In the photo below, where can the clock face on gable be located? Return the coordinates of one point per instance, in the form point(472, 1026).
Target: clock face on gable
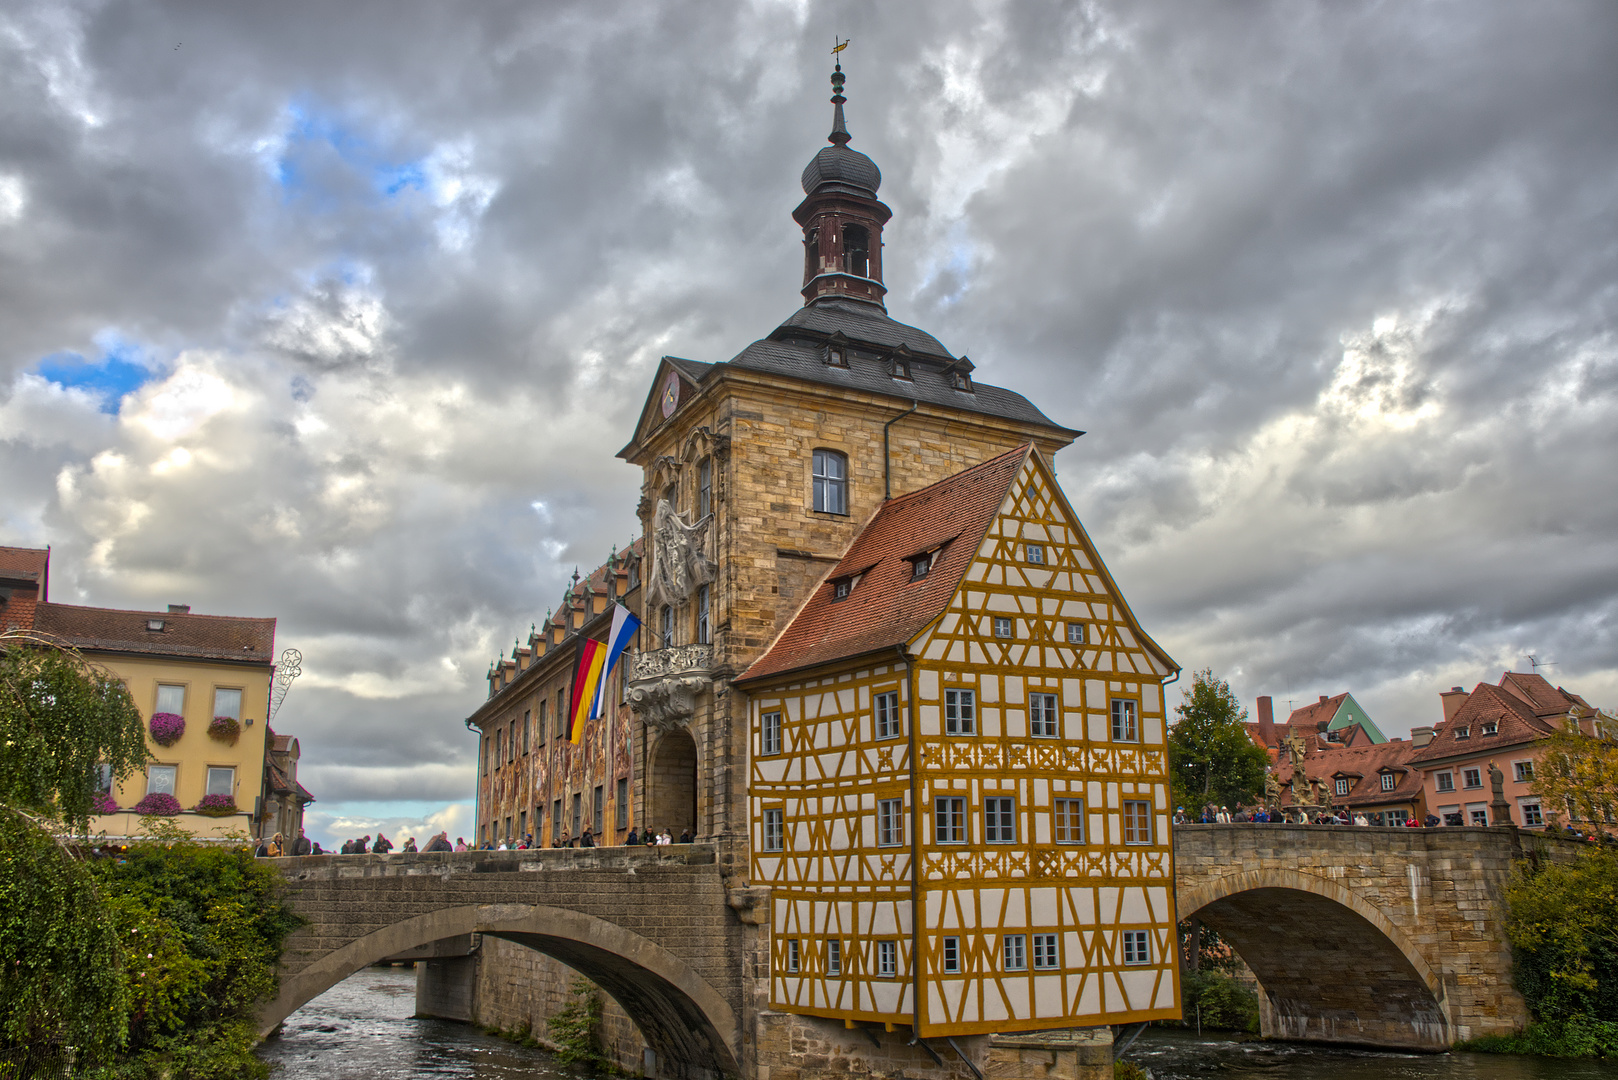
point(671, 395)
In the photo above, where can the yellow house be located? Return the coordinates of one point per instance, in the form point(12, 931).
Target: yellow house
point(202, 683)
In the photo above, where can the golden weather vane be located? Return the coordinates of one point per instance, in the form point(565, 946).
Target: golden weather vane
point(841, 46)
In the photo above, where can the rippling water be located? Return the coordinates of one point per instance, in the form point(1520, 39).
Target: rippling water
point(361, 1029)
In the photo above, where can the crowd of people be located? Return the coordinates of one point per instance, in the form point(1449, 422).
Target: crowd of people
point(276, 846)
point(651, 838)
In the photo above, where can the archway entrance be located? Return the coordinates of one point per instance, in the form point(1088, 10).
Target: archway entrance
point(1326, 972)
point(673, 784)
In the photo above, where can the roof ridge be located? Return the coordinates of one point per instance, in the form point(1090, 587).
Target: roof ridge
point(164, 614)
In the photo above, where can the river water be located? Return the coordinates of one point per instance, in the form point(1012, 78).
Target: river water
point(361, 1029)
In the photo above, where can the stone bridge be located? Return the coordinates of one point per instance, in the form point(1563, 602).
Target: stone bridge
point(1381, 936)
point(650, 926)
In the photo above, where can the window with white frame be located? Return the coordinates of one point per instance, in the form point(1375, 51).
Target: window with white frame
point(1389, 781)
point(704, 487)
point(890, 822)
point(950, 955)
point(1042, 716)
point(999, 820)
point(834, 957)
point(704, 621)
point(1125, 720)
point(1342, 785)
point(1445, 781)
point(1478, 815)
point(775, 833)
point(920, 565)
point(1014, 951)
point(1531, 816)
point(1137, 821)
point(960, 712)
point(1069, 815)
point(170, 699)
point(887, 959)
point(227, 702)
point(1075, 633)
point(793, 957)
point(830, 482)
point(1472, 778)
point(770, 734)
point(222, 780)
point(949, 819)
point(1046, 954)
point(160, 779)
point(1137, 947)
point(1522, 771)
point(1002, 626)
point(1036, 554)
point(886, 707)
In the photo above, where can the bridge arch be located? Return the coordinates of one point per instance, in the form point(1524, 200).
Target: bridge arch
point(1331, 966)
point(684, 1020)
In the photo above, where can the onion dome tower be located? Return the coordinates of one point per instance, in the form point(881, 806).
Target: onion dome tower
point(841, 217)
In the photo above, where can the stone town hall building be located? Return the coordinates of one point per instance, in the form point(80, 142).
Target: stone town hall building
point(882, 668)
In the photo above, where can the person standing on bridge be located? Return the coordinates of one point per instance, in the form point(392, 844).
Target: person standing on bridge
point(301, 845)
point(409, 847)
point(441, 843)
point(382, 846)
point(633, 838)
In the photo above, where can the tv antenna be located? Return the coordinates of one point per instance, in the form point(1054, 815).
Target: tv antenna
point(1537, 663)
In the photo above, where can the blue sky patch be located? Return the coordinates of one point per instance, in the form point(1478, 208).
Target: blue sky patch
point(315, 133)
point(118, 371)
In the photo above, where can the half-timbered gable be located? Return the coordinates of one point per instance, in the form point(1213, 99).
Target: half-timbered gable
point(971, 631)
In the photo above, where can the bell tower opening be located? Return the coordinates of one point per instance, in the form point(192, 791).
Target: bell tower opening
point(857, 250)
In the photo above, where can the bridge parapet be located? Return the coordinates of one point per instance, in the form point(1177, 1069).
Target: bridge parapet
point(533, 860)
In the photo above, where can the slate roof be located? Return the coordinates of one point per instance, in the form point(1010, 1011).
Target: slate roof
point(1524, 708)
point(886, 608)
point(202, 637)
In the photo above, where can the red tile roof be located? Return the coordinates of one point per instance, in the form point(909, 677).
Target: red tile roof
point(886, 608)
point(203, 637)
point(1321, 712)
point(23, 563)
point(1363, 767)
point(24, 581)
point(1511, 707)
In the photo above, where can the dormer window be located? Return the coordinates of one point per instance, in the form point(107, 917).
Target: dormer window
point(1463, 733)
point(154, 624)
point(920, 565)
point(841, 588)
point(837, 356)
point(961, 381)
point(1343, 784)
point(900, 368)
point(1389, 781)
point(1491, 728)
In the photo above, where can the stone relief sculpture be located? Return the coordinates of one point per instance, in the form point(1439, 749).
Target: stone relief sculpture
point(667, 702)
point(1272, 787)
point(680, 558)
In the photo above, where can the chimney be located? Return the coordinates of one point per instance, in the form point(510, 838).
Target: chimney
point(179, 609)
point(1453, 699)
point(1324, 699)
point(1266, 721)
point(1420, 736)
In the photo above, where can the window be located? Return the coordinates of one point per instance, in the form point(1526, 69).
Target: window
point(1342, 785)
point(666, 627)
point(511, 742)
point(811, 253)
point(499, 740)
point(1042, 716)
point(920, 565)
point(526, 716)
point(598, 806)
point(1446, 781)
point(1045, 952)
point(704, 487)
point(539, 728)
point(886, 707)
point(104, 779)
point(1531, 817)
point(887, 959)
point(900, 368)
point(999, 821)
point(960, 712)
point(671, 495)
point(1137, 822)
point(841, 588)
point(578, 814)
point(1137, 947)
point(771, 733)
point(160, 779)
point(1014, 948)
point(1075, 633)
point(171, 699)
point(1463, 733)
point(890, 822)
point(949, 819)
point(857, 250)
point(1478, 815)
point(1491, 728)
point(1002, 626)
point(830, 482)
point(522, 825)
point(1125, 723)
point(792, 954)
point(1389, 781)
point(950, 955)
point(834, 957)
point(621, 814)
point(227, 703)
point(1450, 815)
point(561, 714)
point(703, 635)
point(488, 753)
point(1069, 815)
point(1472, 778)
point(221, 781)
point(1522, 771)
point(556, 816)
point(1036, 554)
point(774, 830)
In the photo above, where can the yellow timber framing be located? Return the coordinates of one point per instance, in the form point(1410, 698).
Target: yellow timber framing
point(834, 881)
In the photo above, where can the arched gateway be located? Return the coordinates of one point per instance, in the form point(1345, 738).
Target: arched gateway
point(607, 914)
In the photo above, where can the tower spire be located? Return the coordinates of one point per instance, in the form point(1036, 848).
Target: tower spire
point(839, 129)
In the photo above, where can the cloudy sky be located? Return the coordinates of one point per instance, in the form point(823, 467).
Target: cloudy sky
point(338, 313)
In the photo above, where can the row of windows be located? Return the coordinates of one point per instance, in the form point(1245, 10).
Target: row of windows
point(505, 745)
point(1016, 952)
point(701, 625)
point(999, 822)
point(517, 826)
point(162, 779)
point(227, 701)
point(960, 718)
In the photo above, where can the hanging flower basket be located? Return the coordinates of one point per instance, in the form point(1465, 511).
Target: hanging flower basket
point(167, 728)
point(104, 804)
point(224, 728)
point(157, 804)
point(216, 806)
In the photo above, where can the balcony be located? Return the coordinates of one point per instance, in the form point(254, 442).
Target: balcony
point(664, 684)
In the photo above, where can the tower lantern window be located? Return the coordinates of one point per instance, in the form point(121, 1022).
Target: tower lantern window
point(857, 250)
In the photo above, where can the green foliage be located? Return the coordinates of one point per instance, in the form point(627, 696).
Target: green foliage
point(1220, 1000)
point(1128, 1070)
point(1572, 1037)
point(1562, 922)
point(60, 719)
point(1211, 758)
point(60, 977)
point(201, 929)
point(576, 1027)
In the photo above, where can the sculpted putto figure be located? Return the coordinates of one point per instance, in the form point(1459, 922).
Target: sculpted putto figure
point(680, 561)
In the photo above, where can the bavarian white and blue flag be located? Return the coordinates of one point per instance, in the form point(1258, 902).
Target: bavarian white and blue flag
point(624, 625)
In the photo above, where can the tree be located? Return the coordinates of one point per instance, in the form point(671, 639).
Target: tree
point(1578, 774)
point(1211, 757)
